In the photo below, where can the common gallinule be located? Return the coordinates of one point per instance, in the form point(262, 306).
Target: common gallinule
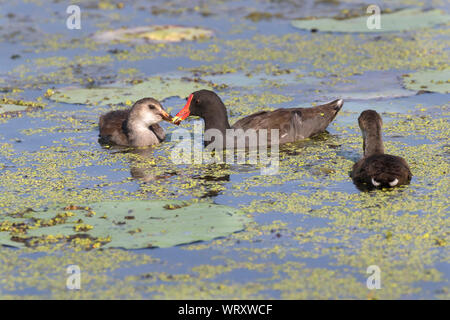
point(136, 127)
point(293, 124)
point(377, 169)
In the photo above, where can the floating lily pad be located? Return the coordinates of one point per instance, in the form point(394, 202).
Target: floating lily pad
point(5, 240)
point(403, 20)
point(11, 108)
point(364, 87)
point(127, 224)
point(154, 34)
point(155, 87)
point(433, 80)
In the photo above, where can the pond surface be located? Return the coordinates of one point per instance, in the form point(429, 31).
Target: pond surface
point(312, 233)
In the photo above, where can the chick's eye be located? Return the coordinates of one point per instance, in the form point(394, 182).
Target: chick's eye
point(151, 107)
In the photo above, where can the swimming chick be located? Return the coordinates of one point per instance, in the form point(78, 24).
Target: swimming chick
point(136, 127)
point(377, 169)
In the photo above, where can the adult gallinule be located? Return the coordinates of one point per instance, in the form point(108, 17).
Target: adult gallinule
point(136, 127)
point(293, 124)
point(377, 169)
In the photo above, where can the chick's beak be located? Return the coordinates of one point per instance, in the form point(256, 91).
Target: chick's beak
point(166, 116)
point(184, 113)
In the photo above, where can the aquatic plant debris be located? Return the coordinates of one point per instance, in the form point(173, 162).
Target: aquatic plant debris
point(155, 87)
point(402, 20)
point(430, 80)
point(154, 34)
point(125, 224)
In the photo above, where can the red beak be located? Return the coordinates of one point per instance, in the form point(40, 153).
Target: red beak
point(184, 113)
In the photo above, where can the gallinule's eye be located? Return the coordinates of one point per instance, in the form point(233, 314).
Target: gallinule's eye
point(151, 107)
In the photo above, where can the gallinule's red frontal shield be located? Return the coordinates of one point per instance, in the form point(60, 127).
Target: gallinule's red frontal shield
point(185, 112)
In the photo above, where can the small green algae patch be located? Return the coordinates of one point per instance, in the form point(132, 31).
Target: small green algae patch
point(257, 16)
point(403, 20)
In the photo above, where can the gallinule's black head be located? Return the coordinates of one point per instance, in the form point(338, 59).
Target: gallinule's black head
point(207, 105)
